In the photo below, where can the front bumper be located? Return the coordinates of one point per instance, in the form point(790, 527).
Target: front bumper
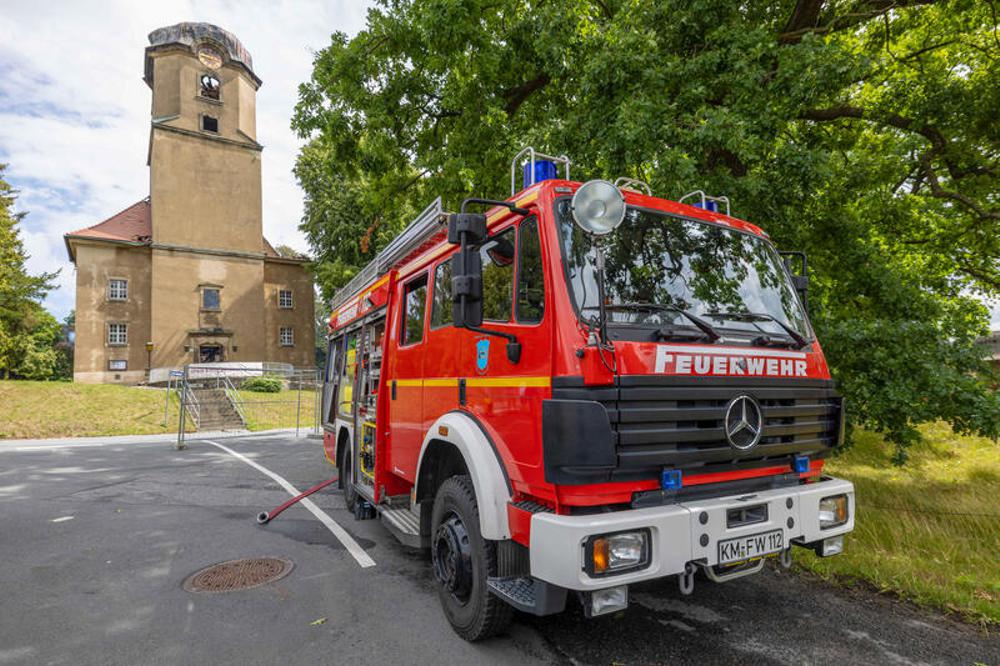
point(677, 532)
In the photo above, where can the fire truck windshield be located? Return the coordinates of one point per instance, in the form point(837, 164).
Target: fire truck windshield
point(735, 280)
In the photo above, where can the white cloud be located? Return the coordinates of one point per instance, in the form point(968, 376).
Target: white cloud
point(74, 112)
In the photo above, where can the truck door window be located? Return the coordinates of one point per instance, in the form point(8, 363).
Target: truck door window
point(530, 284)
point(345, 397)
point(441, 298)
point(416, 306)
point(498, 276)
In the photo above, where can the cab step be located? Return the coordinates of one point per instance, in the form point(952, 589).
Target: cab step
point(528, 594)
point(404, 525)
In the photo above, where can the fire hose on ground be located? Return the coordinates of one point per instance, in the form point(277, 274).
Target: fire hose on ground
point(264, 517)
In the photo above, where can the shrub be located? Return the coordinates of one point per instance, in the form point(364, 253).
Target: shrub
point(262, 384)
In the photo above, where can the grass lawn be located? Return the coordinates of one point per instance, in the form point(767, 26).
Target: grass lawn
point(66, 409)
point(930, 530)
point(264, 411)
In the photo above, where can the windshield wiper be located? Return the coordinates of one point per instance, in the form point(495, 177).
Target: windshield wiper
point(710, 333)
point(797, 337)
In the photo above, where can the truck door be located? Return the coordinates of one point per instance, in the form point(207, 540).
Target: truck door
point(406, 375)
point(330, 377)
point(503, 395)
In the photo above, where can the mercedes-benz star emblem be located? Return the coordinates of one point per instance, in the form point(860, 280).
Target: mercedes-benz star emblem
point(744, 423)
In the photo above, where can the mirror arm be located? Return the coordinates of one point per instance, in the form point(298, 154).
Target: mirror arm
point(492, 202)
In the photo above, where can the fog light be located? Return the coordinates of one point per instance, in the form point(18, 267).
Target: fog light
point(832, 546)
point(608, 600)
point(614, 553)
point(832, 511)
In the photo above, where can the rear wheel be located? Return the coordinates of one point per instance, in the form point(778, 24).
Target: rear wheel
point(347, 480)
point(463, 560)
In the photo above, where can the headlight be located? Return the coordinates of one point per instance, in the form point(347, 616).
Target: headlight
point(616, 553)
point(832, 511)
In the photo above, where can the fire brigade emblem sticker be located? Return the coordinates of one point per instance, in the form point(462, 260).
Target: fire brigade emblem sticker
point(482, 355)
point(744, 423)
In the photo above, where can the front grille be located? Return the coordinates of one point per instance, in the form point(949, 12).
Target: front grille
point(679, 422)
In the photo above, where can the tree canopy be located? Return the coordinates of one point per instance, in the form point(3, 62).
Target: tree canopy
point(28, 333)
point(861, 131)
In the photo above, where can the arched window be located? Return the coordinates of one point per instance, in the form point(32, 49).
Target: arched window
point(209, 86)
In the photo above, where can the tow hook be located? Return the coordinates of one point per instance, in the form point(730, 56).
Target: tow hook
point(785, 559)
point(686, 580)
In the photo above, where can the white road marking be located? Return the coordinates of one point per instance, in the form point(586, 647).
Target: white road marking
point(350, 544)
point(62, 519)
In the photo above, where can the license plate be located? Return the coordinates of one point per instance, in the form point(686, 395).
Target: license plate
point(751, 546)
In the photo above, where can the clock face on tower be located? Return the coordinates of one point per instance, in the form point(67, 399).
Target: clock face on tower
point(209, 57)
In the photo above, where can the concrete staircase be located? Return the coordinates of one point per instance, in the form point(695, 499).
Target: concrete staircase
point(216, 411)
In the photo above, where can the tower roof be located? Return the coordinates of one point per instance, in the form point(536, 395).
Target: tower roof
point(194, 35)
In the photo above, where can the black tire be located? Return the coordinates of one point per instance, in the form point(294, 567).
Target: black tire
point(347, 480)
point(473, 612)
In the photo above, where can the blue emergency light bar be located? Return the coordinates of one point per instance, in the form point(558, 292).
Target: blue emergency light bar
point(708, 204)
point(544, 170)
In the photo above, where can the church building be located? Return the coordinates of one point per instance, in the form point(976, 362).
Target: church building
point(186, 275)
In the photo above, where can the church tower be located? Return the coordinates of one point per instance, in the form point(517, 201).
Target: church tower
point(204, 158)
point(185, 275)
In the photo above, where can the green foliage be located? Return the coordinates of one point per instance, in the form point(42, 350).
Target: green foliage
point(28, 334)
point(863, 133)
point(264, 384)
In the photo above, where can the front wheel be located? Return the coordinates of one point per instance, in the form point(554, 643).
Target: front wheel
point(463, 560)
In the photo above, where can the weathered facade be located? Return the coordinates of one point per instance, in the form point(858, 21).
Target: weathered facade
point(186, 274)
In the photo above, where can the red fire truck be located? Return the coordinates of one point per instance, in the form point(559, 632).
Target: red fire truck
point(579, 388)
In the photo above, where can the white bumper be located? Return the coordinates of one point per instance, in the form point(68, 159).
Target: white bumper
point(557, 541)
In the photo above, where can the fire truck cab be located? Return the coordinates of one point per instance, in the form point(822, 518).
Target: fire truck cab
point(582, 387)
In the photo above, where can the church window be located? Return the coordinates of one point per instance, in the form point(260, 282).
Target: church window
point(286, 336)
point(118, 335)
point(285, 299)
point(211, 299)
point(210, 124)
point(117, 290)
point(209, 86)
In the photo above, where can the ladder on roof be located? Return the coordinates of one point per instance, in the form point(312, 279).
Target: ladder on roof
point(430, 223)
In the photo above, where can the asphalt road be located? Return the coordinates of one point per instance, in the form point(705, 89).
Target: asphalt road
point(96, 541)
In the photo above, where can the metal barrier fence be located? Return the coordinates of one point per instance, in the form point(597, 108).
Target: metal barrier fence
point(230, 397)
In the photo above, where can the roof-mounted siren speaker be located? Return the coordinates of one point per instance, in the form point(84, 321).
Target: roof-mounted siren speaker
point(535, 167)
point(704, 201)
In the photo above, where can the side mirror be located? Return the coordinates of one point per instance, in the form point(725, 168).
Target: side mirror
point(469, 231)
point(800, 278)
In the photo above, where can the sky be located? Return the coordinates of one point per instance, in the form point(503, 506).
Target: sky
point(74, 111)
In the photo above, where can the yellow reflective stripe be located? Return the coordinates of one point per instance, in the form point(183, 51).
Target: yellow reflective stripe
point(480, 382)
point(527, 199)
point(441, 382)
point(508, 381)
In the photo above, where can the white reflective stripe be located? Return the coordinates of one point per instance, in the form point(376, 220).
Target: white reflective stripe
point(748, 351)
point(350, 544)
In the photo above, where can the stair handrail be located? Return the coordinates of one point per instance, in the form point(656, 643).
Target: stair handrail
point(234, 398)
point(190, 402)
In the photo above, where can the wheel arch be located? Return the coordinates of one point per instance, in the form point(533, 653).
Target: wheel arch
point(460, 434)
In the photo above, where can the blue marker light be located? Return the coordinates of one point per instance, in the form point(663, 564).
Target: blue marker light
point(801, 464)
point(544, 170)
point(671, 479)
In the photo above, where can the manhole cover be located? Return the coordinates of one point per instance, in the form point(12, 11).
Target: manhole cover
point(238, 574)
